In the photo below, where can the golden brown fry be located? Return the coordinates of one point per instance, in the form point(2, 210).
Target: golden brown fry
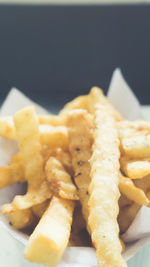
point(138, 125)
point(11, 174)
point(80, 140)
point(80, 102)
point(132, 192)
point(49, 239)
point(104, 191)
point(7, 129)
point(135, 169)
point(53, 120)
point(39, 209)
point(59, 180)
point(54, 136)
point(126, 216)
point(104, 102)
point(21, 219)
point(31, 156)
point(136, 147)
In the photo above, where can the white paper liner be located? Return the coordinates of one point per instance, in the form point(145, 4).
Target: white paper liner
point(138, 233)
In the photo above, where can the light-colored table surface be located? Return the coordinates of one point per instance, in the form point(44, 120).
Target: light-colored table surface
point(11, 251)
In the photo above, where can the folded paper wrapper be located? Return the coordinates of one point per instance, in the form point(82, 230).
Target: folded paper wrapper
point(122, 97)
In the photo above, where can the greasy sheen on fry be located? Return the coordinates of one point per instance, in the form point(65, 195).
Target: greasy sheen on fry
point(59, 180)
point(104, 192)
point(80, 141)
point(132, 192)
point(50, 238)
point(135, 169)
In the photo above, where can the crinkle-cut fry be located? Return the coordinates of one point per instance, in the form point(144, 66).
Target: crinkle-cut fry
point(50, 238)
point(63, 156)
point(27, 132)
point(53, 120)
point(28, 137)
point(31, 198)
point(135, 169)
point(104, 102)
point(126, 216)
point(138, 125)
point(60, 181)
point(132, 192)
point(21, 219)
point(80, 102)
point(7, 129)
point(11, 174)
point(54, 136)
point(39, 209)
point(136, 147)
point(80, 141)
point(104, 191)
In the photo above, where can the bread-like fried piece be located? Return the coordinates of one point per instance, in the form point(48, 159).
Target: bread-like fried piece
point(132, 192)
point(59, 180)
point(104, 191)
point(80, 140)
point(49, 239)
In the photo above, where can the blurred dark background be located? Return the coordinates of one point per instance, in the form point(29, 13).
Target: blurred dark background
point(54, 53)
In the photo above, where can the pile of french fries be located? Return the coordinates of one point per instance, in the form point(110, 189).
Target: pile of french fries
point(87, 170)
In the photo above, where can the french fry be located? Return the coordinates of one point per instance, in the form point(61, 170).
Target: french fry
point(59, 180)
point(11, 174)
point(135, 169)
point(49, 239)
point(39, 209)
point(104, 102)
point(7, 129)
point(138, 125)
point(104, 191)
point(80, 141)
point(126, 216)
point(53, 120)
point(30, 151)
point(80, 102)
point(54, 136)
point(136, 147)
point(21, 219)
point(132, 192)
